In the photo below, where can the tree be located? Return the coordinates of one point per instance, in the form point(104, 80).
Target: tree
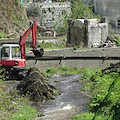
point(33, 11)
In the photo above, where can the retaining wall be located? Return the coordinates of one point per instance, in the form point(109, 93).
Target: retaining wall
point(43, 65)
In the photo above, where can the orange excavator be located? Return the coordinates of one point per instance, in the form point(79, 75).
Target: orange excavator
point(12, 56)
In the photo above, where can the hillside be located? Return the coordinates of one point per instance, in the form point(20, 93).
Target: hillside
point(13, 18)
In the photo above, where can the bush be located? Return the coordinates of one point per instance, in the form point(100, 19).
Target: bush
point(116, 39)
point(88, 116)
point(33, 11)
point(51, 45)
point(105, 93)
point(3, 35)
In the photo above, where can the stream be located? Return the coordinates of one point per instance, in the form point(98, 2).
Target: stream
point(69, 102)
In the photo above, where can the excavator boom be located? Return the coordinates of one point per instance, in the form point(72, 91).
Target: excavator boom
point(37, 52)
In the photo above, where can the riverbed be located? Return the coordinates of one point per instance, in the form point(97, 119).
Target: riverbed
point(70, 101)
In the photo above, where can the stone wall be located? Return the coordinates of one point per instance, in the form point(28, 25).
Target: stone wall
point(43, 65)
point(53, 13)
point(85, 32)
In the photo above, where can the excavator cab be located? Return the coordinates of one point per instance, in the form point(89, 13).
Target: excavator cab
point(10, 56)
point(10, 51)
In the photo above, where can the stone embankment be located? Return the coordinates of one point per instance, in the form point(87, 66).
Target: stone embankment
point(43, 65)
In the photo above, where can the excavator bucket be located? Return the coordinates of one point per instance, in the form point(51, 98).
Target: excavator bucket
point(38, 52)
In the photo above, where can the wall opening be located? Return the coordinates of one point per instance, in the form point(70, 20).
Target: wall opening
point(119, 23)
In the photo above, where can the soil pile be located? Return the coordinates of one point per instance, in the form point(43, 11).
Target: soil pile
point(35, 85)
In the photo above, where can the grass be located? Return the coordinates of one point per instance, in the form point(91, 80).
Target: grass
point(70, 70)
point(88, 116)
point(13, 106)
point(105, 94)
point(25, 113)
point(63, 70)
point(51, 45)
point(3, 35)
point(78, 47)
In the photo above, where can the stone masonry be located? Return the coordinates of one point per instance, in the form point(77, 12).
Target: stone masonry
point(53, 13)
point(86, 32)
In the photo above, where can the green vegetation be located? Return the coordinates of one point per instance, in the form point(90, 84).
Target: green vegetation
point(104, 90)
point(3, 35)
point(64, 70)
point(88, 116)
point(105, 94)
point(51, 45)
point(115, 38)
point(33, 11)
point(68, 70)
point(78, 10)
point(55, 92)
point(25, 113)
point(13, 106)
point(78, 47)
point(11, 19)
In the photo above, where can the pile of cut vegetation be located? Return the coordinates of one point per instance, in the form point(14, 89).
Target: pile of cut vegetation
point(112, 68)
point(35, 85)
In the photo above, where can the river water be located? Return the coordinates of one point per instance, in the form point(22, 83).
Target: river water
point(69, 102)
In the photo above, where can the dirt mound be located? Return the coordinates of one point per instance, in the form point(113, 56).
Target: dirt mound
point(35, 85)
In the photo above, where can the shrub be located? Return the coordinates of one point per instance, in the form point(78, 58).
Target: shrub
point(33, 11)
point(116, 39)
point(3, 35)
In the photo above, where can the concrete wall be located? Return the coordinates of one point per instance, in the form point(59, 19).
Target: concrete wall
point(108, 8)
point(43, 65)
point(85, 32)
point(97, 33)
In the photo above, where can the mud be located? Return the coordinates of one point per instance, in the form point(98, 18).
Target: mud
point(36, 87)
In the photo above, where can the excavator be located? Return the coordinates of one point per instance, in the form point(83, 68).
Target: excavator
point(13, 56)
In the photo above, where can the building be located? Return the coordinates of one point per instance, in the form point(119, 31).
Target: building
point(110, 9)
point(87, 32)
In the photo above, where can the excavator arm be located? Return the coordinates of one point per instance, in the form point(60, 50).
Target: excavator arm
point(38, 52)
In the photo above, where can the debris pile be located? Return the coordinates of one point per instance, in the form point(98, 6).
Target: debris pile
point(112, 68)
point(36, 87)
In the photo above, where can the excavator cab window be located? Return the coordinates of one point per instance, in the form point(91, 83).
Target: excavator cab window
point(5, 52)
point(15, 52)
